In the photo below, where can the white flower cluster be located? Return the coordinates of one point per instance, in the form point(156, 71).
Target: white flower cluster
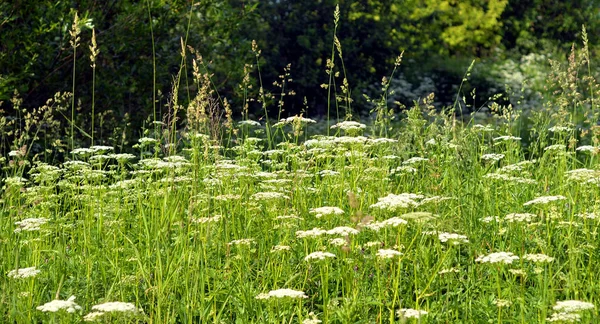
point(343, 231)
point(393, 202)
point(294, 119)
point(387, 254)
point(498, 257)
point(390, 222)
point(492, 157)
point(282, 293)
point(519, 218)
point(319, 256)
point(311, 233)
point(567, 311)
point(280, 248)
point(262, 196)
point(56, 305)
point(205, 220)
point(410, 313)
point(414, 160)
point(23, 273)
point(538, 258)
point(30, 224)
point(453, 238)
point(508, 178)
point(349, 125)
point(326, 211)
point(544, 200)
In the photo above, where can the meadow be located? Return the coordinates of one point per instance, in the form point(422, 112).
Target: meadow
point(440, 224)
point(414, 216)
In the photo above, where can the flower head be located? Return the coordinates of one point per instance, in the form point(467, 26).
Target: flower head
point(23, 273)
point(54, 306)
point(282, 293)
point(498, 257)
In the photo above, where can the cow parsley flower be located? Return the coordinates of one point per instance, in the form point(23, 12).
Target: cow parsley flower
point(282, 293)
point(326, 211)
point(572, 306)
point(387, 253)
point(519, 217)
point(453, 238)
point(544, 200)
point(56, 305)
point(492, 157)
point(116, 307)
point(498, 257)
point(538, 258)
point(30, 224)
point(343, 231)
point(310, 233)
point(23, 273)
point(393, 202)
point(319, 256)
point(410, 313)
point(564, 317)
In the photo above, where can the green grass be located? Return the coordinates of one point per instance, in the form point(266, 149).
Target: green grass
point(196, 237)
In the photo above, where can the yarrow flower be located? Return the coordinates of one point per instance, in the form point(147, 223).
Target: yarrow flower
point(498, 257)
point(387, 253)
point(544, 200)
point(23, 273)
point(410, 313)
point(319, 256)
point(282, 293)
point(326, 211)
point(56, 305)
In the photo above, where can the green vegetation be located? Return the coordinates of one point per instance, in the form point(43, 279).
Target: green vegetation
point(468, 209)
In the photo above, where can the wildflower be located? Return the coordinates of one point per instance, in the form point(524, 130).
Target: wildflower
point(588, 148)
point(452, 237)
point(242, 242)
point(387, 254)
point(311, 233)
point(506, 138)
point(555, 147)
point(116, 307)
point(489, 219)
point(82, 151)
point(544, 200)
point(282, 293)
point(564, 317)
point(349, 125)
point(93, 316)
point(492, 157)
point(516, 217)
point(122, 157)
point(205, 220)
point(393, 202)
point(572, 306)
point(54, 306)
point(342, 230)
point(451, 270)
point(326, 211)
point(147, 140)
point(269, 196)
point(372, 244)
point(338, 241)
point(410, 313)
point(508, 178)
point(23, 273)
point(390, 222)
point(312, 320)
point(319, 256)
point(101, 148)
point(498, 257)
point(517, 272)
point(560, 129)
point(538, 258)
point(30, 224)
point(280, 248)
point(249, 123)
point(415, 159)
point(502, 303)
